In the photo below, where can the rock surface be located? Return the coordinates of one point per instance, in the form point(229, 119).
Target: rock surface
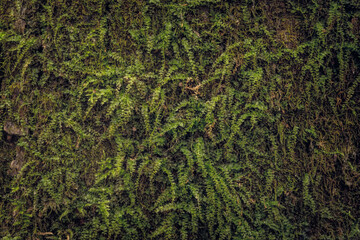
point(13, 129)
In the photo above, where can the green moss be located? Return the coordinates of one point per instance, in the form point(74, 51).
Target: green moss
point(180, 119)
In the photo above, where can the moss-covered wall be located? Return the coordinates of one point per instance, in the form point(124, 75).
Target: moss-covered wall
point(192, 119)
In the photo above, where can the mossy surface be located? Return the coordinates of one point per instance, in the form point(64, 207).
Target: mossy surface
point(192, 119)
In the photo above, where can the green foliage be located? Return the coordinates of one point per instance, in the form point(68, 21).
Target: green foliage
point(196, 119)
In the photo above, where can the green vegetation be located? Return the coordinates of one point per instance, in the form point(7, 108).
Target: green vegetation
point(179, 119)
